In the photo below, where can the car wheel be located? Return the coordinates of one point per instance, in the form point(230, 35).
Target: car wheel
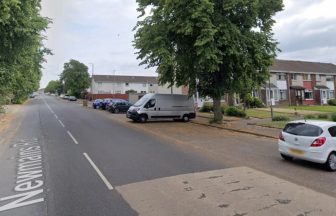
point(286, 157)
point(116, 110)
point(186, 118)
point(143, 118)
point(331, 162)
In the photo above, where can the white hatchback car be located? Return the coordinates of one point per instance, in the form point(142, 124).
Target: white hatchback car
point(309, 140)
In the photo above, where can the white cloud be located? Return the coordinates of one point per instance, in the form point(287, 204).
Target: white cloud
point(100, 31)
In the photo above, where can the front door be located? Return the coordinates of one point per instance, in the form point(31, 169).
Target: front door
point(324, 99)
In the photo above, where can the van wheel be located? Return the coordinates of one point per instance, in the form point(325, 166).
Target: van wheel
point(143, 118)
point(286, 157)
point(331, 162)
point(186, 118)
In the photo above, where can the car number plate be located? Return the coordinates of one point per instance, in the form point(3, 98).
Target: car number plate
point(296, 151)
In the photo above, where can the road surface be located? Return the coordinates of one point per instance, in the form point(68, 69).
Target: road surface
point(58, 158)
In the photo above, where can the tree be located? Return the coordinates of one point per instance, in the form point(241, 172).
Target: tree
point(224, 45)
point(54, 86)
point(75, 77)
point(21, 49)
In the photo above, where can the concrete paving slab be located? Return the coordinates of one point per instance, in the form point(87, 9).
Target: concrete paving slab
point(228, 192)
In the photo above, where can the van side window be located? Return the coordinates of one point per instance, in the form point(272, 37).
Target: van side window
point(151, 103)
point(332, 131)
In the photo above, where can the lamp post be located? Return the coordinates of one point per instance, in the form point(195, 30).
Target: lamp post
point(92, 71)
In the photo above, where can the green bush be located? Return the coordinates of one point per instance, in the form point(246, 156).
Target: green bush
point(323, 116)
point(233, 111)
point(258, 103)
point(253, 102)
point(280, 118)
point(310, 116)
point(333, 117)
point(332, 102)
point(206, 107)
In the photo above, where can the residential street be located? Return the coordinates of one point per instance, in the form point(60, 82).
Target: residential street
point(91, 162)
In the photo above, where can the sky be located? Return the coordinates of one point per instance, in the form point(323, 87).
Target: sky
point(99, 33)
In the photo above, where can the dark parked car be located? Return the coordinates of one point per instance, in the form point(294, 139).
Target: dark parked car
point(97, 103)
point(121, 106)
point(72, 98)
point(112, 101)
point(105, 102)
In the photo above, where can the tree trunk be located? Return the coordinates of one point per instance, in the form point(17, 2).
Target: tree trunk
point(218, 116)
point(231, 99)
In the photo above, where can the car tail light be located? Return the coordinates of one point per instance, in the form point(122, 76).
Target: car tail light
point(319, 142)
point(281, 137)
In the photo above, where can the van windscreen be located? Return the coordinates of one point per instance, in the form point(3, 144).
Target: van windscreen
point(140, 102)
point(303, 129)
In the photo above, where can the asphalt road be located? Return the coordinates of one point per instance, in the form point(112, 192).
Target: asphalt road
point(84, 156)
point(81, 156)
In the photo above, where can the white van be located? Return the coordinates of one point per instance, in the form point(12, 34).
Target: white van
point(162, 106)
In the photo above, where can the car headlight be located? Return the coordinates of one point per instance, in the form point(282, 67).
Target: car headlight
point(136, 109)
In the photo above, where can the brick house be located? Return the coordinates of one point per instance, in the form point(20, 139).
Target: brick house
point(299, 83)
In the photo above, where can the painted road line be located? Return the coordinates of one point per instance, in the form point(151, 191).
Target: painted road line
point(72, 137)
point(61, 123)
point(107, 183)
point(56, 116)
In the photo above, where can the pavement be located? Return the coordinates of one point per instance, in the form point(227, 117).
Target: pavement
point(59, 158)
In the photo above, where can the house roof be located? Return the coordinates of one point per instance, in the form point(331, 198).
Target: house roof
point(321, 87)
point(303, 66)
point(125, 79)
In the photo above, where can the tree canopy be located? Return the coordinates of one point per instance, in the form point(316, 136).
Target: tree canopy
point(21, 49)
point(215, 46)
point(54, 86)
point(75, 77)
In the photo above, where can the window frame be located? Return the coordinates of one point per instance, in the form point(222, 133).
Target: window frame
point(312, 94)
point(308, 76)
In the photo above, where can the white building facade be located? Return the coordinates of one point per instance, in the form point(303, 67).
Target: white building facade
point(116, 84)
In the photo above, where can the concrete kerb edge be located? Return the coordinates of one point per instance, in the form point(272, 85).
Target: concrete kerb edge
point(235, 130)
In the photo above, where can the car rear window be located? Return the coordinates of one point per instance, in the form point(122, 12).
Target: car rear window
point(303, 129)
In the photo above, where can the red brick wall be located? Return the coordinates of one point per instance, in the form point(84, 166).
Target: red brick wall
point(309, 102)
point(308, 85)
point(102, 96)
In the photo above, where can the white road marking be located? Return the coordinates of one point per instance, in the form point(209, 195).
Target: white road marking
point(56, 116)
point(61, 123)
point(107, 183)
point(72, 137)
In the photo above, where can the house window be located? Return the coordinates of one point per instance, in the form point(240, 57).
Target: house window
point(126, 84)
point(307, 77)
point(331, 94)
point(308, 95)
point(100, 84)
point(330, 78)
point(143, 92)
point(281, 77)
point(283, 95)
point(144, 84)
point(318, 77)
point(294, 76)
point(151, 84)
